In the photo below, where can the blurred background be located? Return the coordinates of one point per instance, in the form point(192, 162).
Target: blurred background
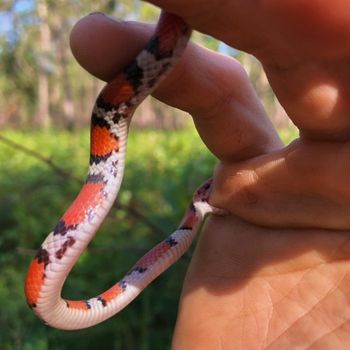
point(45, 104)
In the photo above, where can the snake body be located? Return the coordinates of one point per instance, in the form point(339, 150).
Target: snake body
point(110, 120)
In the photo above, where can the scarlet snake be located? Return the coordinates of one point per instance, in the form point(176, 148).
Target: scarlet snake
point(110, 120)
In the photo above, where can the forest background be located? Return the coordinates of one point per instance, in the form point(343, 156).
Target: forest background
point(45, 104)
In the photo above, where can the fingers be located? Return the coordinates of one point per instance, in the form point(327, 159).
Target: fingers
point(316, 97)
point(302, 185)
point(227, 113)
point(303, 45)
point(314, 89)
point(274, 189)
point(103, 46)
point(212, 87)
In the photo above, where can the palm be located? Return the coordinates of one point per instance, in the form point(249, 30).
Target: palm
point(252, 288)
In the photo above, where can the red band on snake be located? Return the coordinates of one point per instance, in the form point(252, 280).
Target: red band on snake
point(110, 121)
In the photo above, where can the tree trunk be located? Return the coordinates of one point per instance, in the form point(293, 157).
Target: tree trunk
point(42, 117)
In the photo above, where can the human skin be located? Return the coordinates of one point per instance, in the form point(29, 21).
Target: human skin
point(274, 274)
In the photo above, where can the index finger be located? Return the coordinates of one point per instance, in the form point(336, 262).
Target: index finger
point(213, 88)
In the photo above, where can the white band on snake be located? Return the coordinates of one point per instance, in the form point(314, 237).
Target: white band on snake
point(110, 120)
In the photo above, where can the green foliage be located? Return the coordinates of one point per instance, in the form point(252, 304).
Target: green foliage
point(288, 134)
point(163, 169)
point(34, 46)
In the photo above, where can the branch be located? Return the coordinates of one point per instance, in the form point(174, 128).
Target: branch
point(65, 174)
point(61, 172)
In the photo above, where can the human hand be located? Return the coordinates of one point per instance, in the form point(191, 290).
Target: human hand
point(303, 46)
point(256, 176)
point(251, 288)
point(303, 49)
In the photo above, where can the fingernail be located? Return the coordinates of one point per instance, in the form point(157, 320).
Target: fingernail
point(106, 16)
point(97, 13)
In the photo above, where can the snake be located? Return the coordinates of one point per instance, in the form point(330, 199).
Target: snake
point(110, 120)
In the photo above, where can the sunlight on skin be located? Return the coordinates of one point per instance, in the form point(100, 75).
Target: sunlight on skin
point(323, 96)
point(250, 287)
point(315, 96)
point(262, 289)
